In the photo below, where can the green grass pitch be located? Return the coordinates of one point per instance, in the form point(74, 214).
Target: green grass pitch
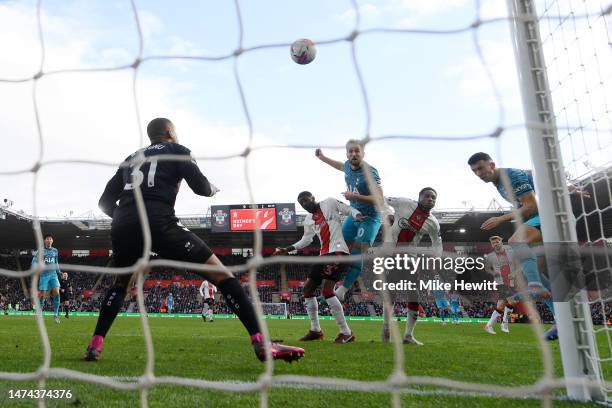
point(188, 347)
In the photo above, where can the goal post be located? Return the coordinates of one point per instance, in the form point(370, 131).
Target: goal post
point(577, 342)
point(275, 310)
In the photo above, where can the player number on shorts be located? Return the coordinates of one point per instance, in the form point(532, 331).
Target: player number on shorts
point(138, 176)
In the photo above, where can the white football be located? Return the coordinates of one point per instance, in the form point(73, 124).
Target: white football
point(303, 51)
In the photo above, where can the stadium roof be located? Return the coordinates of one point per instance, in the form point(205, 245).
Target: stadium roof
point(93, 232)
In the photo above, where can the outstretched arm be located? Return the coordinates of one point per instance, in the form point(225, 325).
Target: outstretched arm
point(196, 180)
point(334, 163)
point(529, 206)
point(108, 200)
point(307, 238)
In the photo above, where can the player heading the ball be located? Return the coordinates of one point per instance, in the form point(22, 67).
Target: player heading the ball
point(359, 235)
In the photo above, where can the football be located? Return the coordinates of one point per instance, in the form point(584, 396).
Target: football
point(303, 51)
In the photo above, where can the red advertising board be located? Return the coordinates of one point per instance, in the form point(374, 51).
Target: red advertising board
point(245, 219)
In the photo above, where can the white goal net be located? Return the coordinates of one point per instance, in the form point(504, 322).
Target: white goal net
point(577, 54)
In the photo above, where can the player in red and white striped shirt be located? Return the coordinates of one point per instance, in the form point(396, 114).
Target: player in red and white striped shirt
point(323, 220)
point(411, 220)
point(502, 264)
point(208, 290)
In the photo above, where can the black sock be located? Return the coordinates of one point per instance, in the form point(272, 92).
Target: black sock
point(239, 303)
point(109, 310)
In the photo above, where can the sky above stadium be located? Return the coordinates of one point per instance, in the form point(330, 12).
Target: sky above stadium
point(417, 84)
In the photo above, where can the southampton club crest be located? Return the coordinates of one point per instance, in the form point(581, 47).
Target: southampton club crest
point(220, 218)
point(286, 216)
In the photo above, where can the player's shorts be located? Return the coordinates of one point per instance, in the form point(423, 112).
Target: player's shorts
point(48, 281)
point(455, 308)
point(65, 295)
point(170, 240)
point(534, 222)
point(360, 231)
point(209, 301)
point(442, 304)
point(332, 271)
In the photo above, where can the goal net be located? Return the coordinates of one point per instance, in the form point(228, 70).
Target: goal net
point(275, 310)
point(575, 41)
point(572, 95)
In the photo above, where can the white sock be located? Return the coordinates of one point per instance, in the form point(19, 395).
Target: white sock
point(411, 319)
point(312, 307)
point(337, 311)
point(340, 292)
point(493, 318)
point(506, 313)
point(204, 309)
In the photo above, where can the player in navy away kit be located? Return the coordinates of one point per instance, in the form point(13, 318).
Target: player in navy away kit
point(169, 239)
point(524, 199)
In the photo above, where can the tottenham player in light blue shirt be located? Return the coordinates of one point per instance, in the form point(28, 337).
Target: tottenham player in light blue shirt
point(441, 302)
point(455, 307)
point(359, 235)
point(527, 234)
point(48, 280)
point(170, 303)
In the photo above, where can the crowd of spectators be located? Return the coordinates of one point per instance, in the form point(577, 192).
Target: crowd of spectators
point(89, 289)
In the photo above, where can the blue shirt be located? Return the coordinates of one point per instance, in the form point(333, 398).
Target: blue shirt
point(439, 294)
point(356, 183)
point(521, 182)
point(454, 299)
point(170, 301)
point(50, 257)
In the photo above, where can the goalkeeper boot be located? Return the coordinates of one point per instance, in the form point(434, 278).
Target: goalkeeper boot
point(94, 349)
point(278, 351)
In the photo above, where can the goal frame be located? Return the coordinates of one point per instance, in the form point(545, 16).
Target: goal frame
point(578, 347)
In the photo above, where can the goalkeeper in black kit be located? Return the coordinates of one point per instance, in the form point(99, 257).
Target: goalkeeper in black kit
point(159, 181)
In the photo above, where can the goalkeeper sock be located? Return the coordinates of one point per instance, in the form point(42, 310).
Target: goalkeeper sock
point(335, 307)
point(239, 303)
point(56, 303)
point(109, 310)
point(312, 307)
